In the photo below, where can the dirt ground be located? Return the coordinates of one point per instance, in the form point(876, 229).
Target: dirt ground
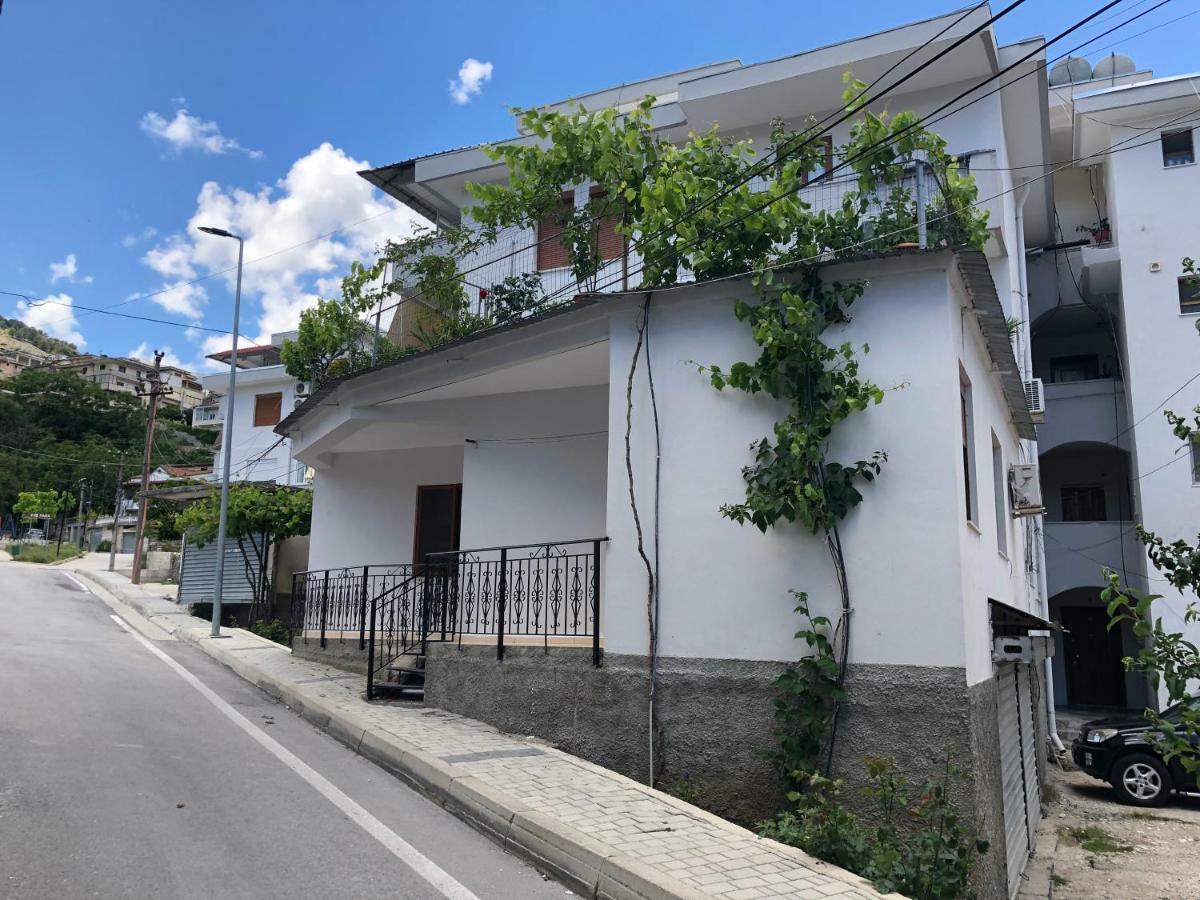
point(1131, 853)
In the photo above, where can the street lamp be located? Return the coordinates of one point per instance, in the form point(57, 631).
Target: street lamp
point(226, 435)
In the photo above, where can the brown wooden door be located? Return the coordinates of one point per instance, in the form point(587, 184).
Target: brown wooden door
point(437, 520)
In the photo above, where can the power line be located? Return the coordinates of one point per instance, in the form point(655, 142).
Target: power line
point(41, 301)
point(929, 118)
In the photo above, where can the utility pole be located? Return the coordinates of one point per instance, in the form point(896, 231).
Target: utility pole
point(153, 388)
point(79, 518)
point(112, 545)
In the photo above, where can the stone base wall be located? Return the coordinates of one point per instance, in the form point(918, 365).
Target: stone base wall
point(344, 654)
point(716, 720)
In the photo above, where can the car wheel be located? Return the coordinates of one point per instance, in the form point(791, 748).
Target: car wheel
point(1141, 780)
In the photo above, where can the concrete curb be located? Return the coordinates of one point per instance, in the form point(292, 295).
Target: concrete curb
point(592, 869)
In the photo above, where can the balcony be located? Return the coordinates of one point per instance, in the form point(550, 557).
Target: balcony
point(208, 416)
point(514, 251)
point(1092, 411)
point(1078, 552)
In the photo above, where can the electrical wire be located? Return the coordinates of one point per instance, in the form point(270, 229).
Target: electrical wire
point(42, 301)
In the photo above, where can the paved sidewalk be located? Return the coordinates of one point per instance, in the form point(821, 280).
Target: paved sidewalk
point(604, 835)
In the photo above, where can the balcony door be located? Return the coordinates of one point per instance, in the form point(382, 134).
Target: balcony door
point(437, 520)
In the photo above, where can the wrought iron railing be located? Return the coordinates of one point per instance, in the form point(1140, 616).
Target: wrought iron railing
point(533, 590)
point(548, 591)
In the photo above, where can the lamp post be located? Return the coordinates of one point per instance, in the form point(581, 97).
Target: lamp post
point(226, 434)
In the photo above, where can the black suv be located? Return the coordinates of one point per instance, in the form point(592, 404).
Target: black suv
point(1120, 750)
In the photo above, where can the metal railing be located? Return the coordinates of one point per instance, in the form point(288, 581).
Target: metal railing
point(547, 590)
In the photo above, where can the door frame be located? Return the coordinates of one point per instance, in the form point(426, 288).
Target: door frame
point(457, 522)
point(1070, 671)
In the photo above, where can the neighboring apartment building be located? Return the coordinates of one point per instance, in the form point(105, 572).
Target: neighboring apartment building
point(265, 394)
point(1115, 344)
point(121, 375)
point(506, 452)
point(16, 356)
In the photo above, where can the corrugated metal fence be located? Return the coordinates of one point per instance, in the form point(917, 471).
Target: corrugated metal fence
point(198, 572)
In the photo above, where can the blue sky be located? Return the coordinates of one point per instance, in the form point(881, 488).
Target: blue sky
point(127, 123)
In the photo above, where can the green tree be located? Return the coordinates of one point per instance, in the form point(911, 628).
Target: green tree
point(258, 518)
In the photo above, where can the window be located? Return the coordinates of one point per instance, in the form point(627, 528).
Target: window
point(1000, 488)
point(267, 408)
point(101, 367)
point(1177, 149)
point(1196, 459)
point(120, 368)
point(552, 249)
point(1083, 503)
point(1074, 368)
point(968, 445)
point(826, 165)
point(1189, 294)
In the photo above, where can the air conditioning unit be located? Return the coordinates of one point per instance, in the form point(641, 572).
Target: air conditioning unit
point(297, 403)
point(301, 388)
point(1035, 399)
point(1025, 490)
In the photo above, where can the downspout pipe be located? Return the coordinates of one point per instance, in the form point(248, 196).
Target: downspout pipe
point(1026, 373)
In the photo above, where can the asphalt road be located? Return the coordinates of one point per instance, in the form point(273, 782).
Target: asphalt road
point(119, 778)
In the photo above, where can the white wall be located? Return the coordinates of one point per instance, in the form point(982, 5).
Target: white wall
point(519, 490)
point(1154, 226)
point(364, 504)
point(724, 587)
point(251, 442)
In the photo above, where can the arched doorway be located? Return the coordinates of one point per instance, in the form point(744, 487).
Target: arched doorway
point(1089, 670)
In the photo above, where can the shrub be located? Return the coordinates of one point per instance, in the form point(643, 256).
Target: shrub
point(104, 547)
point(916, 847)
point(273, 630)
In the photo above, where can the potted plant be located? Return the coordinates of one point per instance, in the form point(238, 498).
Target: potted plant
point(1101, 232)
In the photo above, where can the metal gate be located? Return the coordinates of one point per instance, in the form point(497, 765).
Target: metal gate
point(1015, 711)
point(198, 572)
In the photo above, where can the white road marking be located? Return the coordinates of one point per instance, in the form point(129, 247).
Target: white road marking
point(79, 584)
point(121, 622)
point(441, 880)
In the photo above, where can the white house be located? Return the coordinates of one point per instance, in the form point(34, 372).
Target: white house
point(1115, 344)
point(472, 509)
point(265, 394)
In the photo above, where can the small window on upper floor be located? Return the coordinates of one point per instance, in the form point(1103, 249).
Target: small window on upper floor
point(825, 166)
point(1085, 367)
point(1196, 459)
point(1177, 148)
point(552, 249)
point(1189, 294)
point(1083, 503)
point(267, 409)
point(120, 368)
point(967, 413)
point(101, 367)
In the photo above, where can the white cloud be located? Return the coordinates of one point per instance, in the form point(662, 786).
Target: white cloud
point(54, 315)
point(68, 270)
point(148, 233)
point(188, 132)
point(287, 266)
point(145, 353)
point(469, 83)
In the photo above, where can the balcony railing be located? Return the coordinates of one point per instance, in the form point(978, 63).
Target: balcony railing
point(207, 416)
point(549, 591)
point(922, 220)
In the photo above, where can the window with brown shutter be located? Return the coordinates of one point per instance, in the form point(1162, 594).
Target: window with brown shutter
point(267, 409)
point(823, 168)
point(551, 250)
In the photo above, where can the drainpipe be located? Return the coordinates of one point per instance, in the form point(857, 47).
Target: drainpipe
point(1026, 363)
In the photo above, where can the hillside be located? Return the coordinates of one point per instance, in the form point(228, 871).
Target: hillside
point(18, 330)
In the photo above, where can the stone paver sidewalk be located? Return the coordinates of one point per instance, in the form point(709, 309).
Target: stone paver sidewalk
point(602, 833)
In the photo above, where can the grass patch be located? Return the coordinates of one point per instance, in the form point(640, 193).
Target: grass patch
point(1059, 881)
point(1095, 839)
point(41, 553)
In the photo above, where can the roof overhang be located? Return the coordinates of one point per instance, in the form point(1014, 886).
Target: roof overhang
point(1143, 106)
point(1009, 621)
point(973, 269)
